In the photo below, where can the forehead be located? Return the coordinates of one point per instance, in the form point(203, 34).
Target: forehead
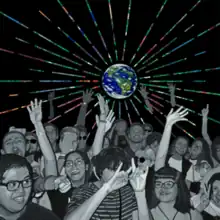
point(70, 134)
point(13, 136)
point(197, 142)
point(16, 174)
point(163, 180)
point(146, 126)
point(136, 128)
point(216, 183)
point(181, 140)
point(74, 156)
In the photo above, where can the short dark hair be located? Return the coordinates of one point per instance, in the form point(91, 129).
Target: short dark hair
point(9, 161)
point(86, 161)
point(154, 136)
point(12, 132)
point(182, 203)
point(110, 158)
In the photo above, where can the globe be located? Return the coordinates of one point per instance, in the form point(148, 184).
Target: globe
point(119, 81)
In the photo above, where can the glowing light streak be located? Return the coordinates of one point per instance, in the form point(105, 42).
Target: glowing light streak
point(129, 117)
point(189, 28)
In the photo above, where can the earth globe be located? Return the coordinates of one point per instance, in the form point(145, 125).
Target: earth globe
point(119, 81)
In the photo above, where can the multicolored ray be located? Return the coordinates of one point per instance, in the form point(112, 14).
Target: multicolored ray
point(119, 109)
point(50, 52)
point(136, 110)
point(155, 54)
point(200, 53)
point(38, 59)
point(15, 81)
point(189, 28)
point(44, 101)
point(129, 117)
point(49, 40)
point(113, 29)
point(148, 31)
point(171, 29)
point(69, 37)
point(192, 39)
point(168, 94)
point(58, 89)
point(69, 102)
point(126, 30)
point(99, 32)
point(163, 66)
point(176, 81)
point(67, 74)
point(81, 31)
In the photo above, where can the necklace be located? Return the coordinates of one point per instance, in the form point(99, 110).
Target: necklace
point(166, 215)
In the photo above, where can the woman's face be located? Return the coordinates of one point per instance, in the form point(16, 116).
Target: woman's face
point(75, 167)
point(216, 193)
point(203, 168)
point(181, 146)
point(196, 149)
point(166, 189)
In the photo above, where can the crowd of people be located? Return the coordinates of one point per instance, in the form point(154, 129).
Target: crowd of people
point(130, 172)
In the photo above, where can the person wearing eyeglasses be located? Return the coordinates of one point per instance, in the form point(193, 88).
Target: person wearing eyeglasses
point(170, 199)
point(16, 187)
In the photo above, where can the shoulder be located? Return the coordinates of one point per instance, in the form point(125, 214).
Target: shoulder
point(35, 211)
point(195, 215)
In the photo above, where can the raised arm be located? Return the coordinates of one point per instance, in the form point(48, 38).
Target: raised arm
point(51, 96)
point(87, 98)
point(144, 94)
point(205, 134)
point(172, 94)
point(35, 112)
point(104, 123)
point(172, 118)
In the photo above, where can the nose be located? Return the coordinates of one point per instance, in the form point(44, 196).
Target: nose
point(20, 189)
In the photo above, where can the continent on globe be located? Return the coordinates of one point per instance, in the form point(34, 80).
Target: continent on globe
point(119, 81)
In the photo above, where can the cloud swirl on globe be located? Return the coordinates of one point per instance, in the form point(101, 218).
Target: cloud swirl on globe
point(119, 81)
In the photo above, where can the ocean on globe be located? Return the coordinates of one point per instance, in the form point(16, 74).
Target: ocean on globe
point(119, 81)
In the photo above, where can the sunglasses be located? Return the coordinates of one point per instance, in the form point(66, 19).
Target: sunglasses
point(32, 141)
point(82, 137)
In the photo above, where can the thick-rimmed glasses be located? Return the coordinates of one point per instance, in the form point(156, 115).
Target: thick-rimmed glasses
point(14, 185)
point(166, 185)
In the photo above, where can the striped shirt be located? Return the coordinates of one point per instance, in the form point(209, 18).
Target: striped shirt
point(111, 208)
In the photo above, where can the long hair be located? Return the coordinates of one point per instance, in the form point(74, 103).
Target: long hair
point(205, 146)
point(86, 160)
point(214, 177)
point(215, 142)
point(182, 203)
point(173, 143)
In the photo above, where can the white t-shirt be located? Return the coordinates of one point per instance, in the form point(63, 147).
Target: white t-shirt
point(192, 175)
point(176, 164)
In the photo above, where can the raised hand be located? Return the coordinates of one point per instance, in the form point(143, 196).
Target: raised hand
point(63, 184)
point(205, 111)
point(204, 196)
point(172, 87)
point(178, 115)
point(35, 111)
point(138, 177)
point(108, 121)
point(87, 96)
point(119, 179)
point(144, 93)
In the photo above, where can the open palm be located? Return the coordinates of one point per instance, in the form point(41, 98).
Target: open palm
point(35, 111)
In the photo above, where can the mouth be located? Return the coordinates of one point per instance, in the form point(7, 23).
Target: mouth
point(75, 172)
point(19, 199)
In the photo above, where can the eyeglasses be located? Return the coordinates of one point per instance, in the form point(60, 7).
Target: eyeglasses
point(166, 185)
point(82, 137)
point(14, 185)
point(148, 130)
point(70, 163)
point(32, 141)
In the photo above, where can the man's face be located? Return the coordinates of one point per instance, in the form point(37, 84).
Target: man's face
point(32, 145)
point(136, 133)
point(121, 127)
point(14, 143)
point(15, 189)
point(69, 142)
point(51, 133)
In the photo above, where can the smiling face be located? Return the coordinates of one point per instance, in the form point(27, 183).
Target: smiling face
point(75, 167)
point(166, 189)
point(13, 199)
point(196, 149)
point(136, 133)
point(14, 143)
point(181, 146)
point(216, 193)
